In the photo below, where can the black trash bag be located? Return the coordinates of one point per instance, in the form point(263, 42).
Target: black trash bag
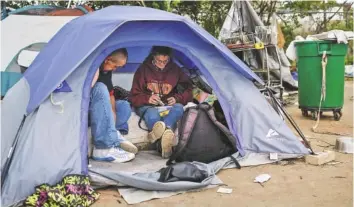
point(183, 171)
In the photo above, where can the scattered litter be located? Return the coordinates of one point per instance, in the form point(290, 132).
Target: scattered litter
point(273, 156)
point(348, 71)
point(339, 177)
point(224, 190)
point(333, 163)
point(89, 165)
point(262, 178)
point(119, 201)
point(293, 92)
point(294, 75)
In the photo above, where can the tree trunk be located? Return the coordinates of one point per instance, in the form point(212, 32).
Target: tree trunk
point(324, 17)
point(271, 11)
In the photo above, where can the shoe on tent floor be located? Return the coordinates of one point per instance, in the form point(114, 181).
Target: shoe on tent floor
point(48, 141)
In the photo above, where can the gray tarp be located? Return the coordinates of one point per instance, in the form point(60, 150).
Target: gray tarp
point(247, 23)
point(141, 175)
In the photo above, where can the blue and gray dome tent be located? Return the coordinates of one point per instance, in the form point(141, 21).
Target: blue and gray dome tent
point(51, 144)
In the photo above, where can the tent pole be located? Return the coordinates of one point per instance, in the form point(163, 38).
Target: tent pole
point(291, 120)
point(5, 169)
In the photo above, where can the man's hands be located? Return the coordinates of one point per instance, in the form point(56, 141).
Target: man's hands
point(171, 101)
point(155, 99)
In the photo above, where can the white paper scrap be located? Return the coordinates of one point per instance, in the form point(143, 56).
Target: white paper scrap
point(273, 156)
point(224, 190)
point(262, 178)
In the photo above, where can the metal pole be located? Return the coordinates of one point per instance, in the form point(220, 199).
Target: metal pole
point(267, 66)
point(69, 4)
point(281, 75)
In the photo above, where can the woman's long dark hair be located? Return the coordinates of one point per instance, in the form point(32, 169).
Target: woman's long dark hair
point(158, 50)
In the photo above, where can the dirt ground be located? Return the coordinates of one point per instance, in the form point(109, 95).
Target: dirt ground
point(293, 184)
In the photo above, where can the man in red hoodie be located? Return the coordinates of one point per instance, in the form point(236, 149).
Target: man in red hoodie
point(155, 84)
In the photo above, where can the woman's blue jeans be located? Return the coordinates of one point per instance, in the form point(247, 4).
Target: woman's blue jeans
point(152, 115)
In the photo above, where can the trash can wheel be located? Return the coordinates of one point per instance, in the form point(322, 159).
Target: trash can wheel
point(304, 112)
point(337, 114)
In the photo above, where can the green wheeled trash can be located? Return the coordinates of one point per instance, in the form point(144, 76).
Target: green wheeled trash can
point(309, 66)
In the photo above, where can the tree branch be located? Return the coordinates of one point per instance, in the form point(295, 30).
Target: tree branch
point(262, 6)
point(271, 11)
point(283, 20)
point(337, 11)
point(331, 17)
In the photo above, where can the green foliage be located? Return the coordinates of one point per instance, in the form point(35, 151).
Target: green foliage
point(289, 34)
point(301, 9)
point(191, 9)
point(211, 14)
point(346, 25)
point(349, 60)
point(265, 9)
point(167, 5)
point(349, 57)
point(17, 4)
point(96, 5)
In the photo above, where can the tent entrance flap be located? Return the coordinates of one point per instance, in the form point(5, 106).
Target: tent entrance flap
point(141, 53)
